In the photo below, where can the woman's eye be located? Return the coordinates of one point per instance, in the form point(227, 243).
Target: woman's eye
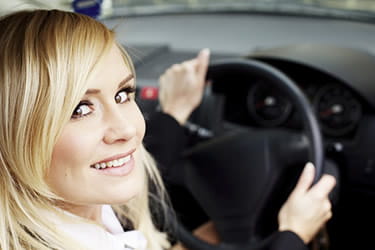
point(121, 97)
point(124, 94)
point(82, 110)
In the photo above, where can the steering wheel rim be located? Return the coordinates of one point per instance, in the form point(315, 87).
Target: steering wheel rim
point(311, 128)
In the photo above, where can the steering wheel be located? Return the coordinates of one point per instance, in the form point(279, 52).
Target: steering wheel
point(237, 176)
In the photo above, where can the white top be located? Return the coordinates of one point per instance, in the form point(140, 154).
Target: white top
point(94, 237)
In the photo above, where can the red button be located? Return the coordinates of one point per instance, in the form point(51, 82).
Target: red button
point(149, 93)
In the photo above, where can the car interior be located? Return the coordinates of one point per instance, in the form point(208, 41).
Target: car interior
point(290, 82)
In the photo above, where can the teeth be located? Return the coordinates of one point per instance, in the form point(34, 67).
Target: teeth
point(126, 159)
point(114, 163)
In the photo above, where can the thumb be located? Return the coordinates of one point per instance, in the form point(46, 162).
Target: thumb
point(306, 179)
point(203, 60)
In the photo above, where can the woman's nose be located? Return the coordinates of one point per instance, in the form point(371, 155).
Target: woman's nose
point(120, 127)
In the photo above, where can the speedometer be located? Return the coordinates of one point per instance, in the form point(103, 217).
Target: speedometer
point(338, 110)
point(267, 105)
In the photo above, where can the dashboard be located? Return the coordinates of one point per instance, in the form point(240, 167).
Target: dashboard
point(257, 102)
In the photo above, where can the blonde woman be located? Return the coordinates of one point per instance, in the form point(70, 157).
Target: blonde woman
point(71, 138)
point(73, 171)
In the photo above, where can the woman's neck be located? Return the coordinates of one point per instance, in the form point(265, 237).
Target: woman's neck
point(90, 212)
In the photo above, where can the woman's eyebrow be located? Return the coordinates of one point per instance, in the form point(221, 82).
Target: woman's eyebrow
point(121, 84)
point(125, 81)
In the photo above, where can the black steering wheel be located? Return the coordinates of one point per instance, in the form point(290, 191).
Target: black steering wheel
point(237, 176)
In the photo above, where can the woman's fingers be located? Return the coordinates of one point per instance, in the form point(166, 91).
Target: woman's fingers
point(305, 180)
point(323, 187)
point(182, 86)
point(202, 63)
point(308, 207)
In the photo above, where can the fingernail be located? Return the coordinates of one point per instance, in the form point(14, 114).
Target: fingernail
point(309, 166)
point(205, 51)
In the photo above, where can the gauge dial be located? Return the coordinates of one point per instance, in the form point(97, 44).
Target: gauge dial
point(338, 110)
point(267, 105)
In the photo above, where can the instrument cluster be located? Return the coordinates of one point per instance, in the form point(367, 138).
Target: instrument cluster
point(336, 107)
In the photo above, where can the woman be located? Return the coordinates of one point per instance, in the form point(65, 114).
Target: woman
point(71, 138)
point(74, 173)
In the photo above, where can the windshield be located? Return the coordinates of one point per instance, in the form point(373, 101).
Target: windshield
point(351, 9)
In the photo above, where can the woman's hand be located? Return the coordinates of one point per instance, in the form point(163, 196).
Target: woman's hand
point(307, 208)
point(182, 87)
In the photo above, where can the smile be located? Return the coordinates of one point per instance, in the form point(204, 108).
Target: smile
point(113, 163)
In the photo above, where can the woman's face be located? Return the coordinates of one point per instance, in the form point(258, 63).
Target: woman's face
point(97, 158)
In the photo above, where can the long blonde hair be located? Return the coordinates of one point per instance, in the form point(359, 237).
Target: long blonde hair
point(46, 58)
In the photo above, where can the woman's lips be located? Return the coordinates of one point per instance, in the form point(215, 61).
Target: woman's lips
point(116, 166)
point(112, 163)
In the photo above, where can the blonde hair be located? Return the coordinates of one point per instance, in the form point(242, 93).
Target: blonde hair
point(46, 58)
